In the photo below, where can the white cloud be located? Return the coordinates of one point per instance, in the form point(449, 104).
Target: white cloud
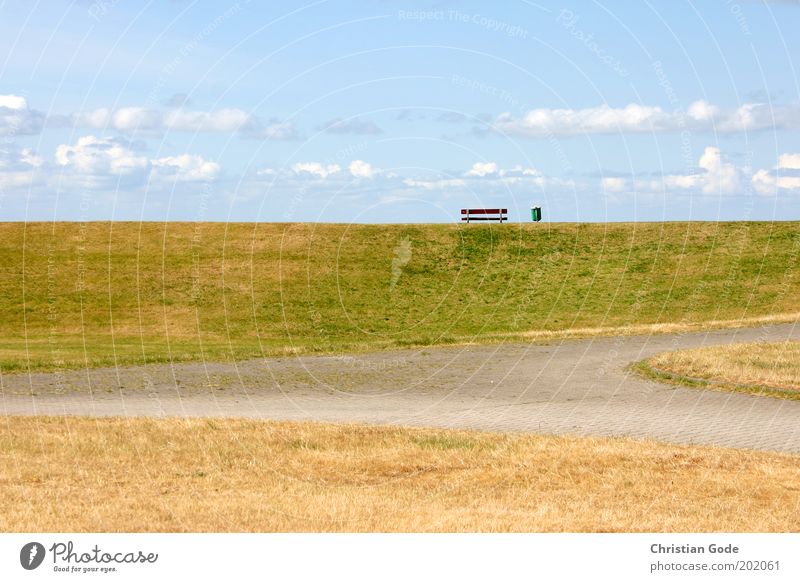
point(520, 175)
point(16, 118)
point(490, 172)
point(702, 111)
point(316, 169)
point(13, 102)
point(19, 168)
point(95, 119)
point(720, 176)
point(765, 182)
point(29, 158)
point(636, 118)
point(602, 119)
point(101, 162)
point(717, 176)
point(223, 120)
point(614, 184)
point(678, 181)
point(275, 130)
point(135, 119)
point(339, 176)
point(93, 156)
point(361, 169)
point(785, 176)
point(527, 171)
point(789, 162)
point(140, 118)
point(436, 184)
point(482, 169)
point(132, 119)
point(184, 168)
point(490, 176)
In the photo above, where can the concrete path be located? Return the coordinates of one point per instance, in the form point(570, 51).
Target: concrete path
point(569, 387)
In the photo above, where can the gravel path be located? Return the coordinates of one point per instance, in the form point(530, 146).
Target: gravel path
point(569, 387)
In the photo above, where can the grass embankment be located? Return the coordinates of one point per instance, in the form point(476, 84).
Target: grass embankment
point(80, 474)
point(75, 295)
point(771, 369)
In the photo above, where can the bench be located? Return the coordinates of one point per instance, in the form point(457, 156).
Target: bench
point(470, 214)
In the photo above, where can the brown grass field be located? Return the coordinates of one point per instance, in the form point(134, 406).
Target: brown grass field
point(81, 474)
point(771, 369)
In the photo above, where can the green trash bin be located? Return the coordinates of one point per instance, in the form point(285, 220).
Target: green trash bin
point(536, 213)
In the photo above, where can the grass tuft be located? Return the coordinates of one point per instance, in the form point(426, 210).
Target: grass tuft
point(764, 369)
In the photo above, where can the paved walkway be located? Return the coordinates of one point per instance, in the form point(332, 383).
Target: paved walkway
point(569, 387)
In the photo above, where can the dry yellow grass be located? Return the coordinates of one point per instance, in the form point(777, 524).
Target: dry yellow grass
point(773, 368)
point(650, 328)
point(80, 474)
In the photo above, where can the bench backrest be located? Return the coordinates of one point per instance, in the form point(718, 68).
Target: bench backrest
point(470, 214)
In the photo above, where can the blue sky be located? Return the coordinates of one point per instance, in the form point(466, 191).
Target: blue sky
point(378, 111)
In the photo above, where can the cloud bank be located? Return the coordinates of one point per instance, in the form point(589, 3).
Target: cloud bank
point(141, 119)
point(95, 162)
point(700, 116)
point(17, 119)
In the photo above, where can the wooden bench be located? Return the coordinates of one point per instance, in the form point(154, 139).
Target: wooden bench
point(470, 214)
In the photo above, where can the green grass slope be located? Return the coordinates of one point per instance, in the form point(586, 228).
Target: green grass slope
point(74, 294)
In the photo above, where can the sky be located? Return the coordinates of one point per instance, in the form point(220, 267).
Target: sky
point(404, 111)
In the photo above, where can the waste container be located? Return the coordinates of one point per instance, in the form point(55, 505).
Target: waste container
point(536, 213)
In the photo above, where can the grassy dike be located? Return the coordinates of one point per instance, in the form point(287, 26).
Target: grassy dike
point(93, 294)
